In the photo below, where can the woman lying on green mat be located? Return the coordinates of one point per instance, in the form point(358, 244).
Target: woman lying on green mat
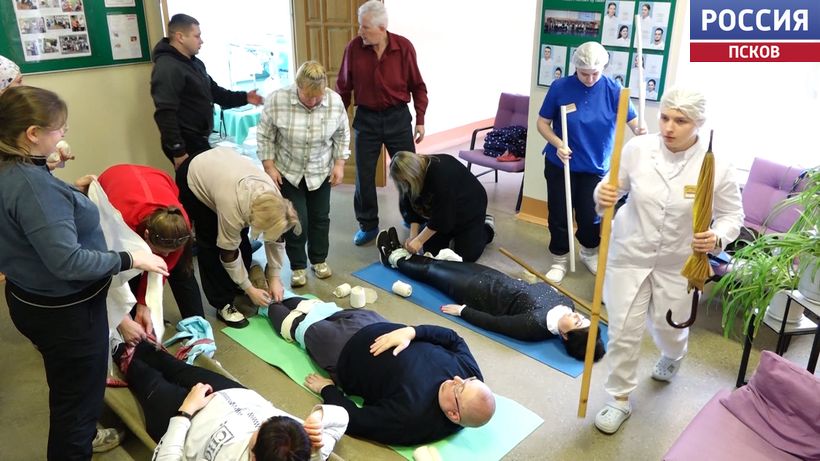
point(495, 301)
point(203, 414)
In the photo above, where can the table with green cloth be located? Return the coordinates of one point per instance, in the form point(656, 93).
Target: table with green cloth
point(238, 121)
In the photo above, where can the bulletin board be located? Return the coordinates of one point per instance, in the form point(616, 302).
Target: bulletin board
point(566, 24)
point(54, 35)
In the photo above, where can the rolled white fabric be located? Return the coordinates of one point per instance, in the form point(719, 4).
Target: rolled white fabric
point(358, 298)
point(426, 453)
point(402, 289)
point(342, 290)
point(370, 295)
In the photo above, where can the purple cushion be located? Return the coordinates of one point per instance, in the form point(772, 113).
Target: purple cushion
point(781, 404)
point(769, 184)
point(716, 435)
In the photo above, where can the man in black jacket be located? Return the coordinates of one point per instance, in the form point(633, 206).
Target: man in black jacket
point(428, 387)
point(184, 93)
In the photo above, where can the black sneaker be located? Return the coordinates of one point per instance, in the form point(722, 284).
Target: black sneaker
point(395, 243)
point(489, 227)
point(383, 244)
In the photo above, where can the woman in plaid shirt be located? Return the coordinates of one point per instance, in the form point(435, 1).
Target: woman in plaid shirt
point(304, 140)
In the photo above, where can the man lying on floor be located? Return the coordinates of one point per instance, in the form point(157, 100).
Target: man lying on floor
point(495, 301)
point(204, 415)
point(427, 387)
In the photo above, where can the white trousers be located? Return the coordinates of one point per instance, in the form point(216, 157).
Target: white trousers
point(632, 310)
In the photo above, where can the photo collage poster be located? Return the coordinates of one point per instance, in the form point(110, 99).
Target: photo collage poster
point(567, 24)
point(52, 29)
point(552, 63)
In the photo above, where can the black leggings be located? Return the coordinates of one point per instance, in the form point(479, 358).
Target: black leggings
point(216, 283)
point(449, 277)
point(161, 382)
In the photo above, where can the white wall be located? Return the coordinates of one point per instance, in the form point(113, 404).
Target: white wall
point(469, 51)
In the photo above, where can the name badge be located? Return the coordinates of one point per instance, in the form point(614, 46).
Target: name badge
point(689, 192)
point(571, 107)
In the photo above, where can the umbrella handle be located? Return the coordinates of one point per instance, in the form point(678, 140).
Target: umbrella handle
point(688, 323)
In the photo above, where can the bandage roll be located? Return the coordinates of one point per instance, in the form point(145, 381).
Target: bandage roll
point(426, 453)
point(358, 298)
point(402, 289)
point(342, 290)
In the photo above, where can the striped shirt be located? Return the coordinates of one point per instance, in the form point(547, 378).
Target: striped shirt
point(303, 143)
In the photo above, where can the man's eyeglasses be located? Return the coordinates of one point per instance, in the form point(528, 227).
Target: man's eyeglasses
point(458, 389)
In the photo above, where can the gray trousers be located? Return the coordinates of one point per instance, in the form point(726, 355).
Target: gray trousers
point(324, 340)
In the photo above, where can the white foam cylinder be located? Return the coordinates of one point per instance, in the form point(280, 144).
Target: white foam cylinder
point(342, 290)
point(358, 298)
point(402, 289)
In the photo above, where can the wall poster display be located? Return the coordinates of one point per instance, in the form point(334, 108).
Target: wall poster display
point(52, 35)
point(569, 23)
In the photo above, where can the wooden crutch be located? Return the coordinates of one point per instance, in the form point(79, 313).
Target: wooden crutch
point(603, 249)
point(568, 191)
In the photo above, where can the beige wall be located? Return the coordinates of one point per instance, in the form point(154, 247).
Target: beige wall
point(535, 187)
point(110, 111)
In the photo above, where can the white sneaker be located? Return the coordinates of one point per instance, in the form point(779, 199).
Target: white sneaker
point(558, 269)
point(232, 317)
point(589, 256)
point(299, 278)
point(322, 270)
point(106, 439)
point(665, 369)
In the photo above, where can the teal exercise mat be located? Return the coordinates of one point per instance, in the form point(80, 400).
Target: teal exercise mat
point(511, 423)
point(549, 352)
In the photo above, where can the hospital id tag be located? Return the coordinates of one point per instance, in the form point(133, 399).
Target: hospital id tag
point(689, 192)
point(571, 107)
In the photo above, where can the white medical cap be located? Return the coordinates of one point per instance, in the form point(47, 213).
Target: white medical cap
point(8, 72)
point(690, 103)
point(590, 56)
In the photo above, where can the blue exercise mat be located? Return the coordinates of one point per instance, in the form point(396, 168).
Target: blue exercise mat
point(550, 352)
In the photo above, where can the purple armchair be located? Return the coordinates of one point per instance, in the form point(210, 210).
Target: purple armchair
point(513, 109)
point(769, 184)
point(774, 417)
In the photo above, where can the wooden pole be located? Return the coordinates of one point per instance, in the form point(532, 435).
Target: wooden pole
point(582, 303)
point(603, 249)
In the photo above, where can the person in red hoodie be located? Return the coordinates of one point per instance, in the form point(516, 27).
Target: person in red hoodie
point(149, 203)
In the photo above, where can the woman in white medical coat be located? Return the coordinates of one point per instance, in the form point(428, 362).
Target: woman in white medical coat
point(652, 237)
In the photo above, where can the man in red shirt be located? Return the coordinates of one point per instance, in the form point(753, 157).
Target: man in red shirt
point(380, 68)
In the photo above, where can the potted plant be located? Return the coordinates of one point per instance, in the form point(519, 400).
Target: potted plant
point(774, 262)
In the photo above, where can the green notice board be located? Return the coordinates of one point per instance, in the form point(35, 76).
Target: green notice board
point(54, 35)
point(565, 24)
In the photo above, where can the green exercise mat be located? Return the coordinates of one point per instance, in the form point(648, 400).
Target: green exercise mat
point(511, 423)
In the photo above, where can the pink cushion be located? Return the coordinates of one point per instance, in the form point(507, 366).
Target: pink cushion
point(781, 404)
point(716, 435)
